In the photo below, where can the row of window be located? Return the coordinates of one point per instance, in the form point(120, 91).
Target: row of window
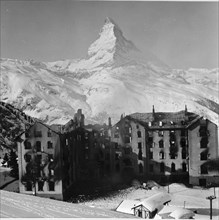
point(29, 186)
point(27, 145)
point(28, 158)
point(172, 156)
point(160, 133)
point(173, 168)
point(39, 134)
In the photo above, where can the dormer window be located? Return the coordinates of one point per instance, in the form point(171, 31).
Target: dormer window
point(160, 123)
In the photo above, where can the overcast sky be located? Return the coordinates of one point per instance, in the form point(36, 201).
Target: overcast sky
point(181, 34)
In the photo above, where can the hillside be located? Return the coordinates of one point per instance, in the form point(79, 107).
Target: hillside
point(12, 122)
point(16, 205)
point(114, 78)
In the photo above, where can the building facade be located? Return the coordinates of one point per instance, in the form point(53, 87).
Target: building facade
point(203, 150)
point(166, 147)
point(55, 160)
point(39, 156)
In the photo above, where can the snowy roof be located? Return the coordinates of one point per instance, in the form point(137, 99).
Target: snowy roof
point(126, 206)
point(181, 213)
point(155, 202)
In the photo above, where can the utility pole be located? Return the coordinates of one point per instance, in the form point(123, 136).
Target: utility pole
point(211, 198)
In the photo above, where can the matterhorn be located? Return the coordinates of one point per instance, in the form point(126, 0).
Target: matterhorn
point(114, 78)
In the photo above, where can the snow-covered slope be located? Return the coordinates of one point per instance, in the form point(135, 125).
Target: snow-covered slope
point(114, 78)
point(16, 205)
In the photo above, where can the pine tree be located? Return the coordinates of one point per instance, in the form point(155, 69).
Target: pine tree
point(12, 163)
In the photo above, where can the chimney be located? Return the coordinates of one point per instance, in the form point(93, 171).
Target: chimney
point(186, 110)
point(109, 122)
point(153, 110)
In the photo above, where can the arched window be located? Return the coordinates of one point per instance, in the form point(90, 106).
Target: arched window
point(139, 134)
point(27, 145)
point(173, 167)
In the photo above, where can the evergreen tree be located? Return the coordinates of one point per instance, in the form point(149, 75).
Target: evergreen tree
point(12, 163)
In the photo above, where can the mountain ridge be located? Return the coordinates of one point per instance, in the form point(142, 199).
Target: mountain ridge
point(109, 82)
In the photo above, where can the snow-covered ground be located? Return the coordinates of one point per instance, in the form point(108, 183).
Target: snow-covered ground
point(192, 198)
point(16, 205)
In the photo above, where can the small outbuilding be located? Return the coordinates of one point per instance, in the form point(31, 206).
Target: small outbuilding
point(149, 207)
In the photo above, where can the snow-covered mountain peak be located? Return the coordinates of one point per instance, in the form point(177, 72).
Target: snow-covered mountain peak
point(111, 44)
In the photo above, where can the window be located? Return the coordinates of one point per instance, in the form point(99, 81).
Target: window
point(160, 123)
point(28, 186)
point(204, 155)
point(160, 133)
point(150, 155)
point(161, 155)
point(49, 133)
point(117, 156)
point(139, 134)
point(183, 142)
point(203, 131)
point(203, 169)
point(38, 134)
point(150, 139)
point(127, 130)
point(86, 135)
point(204, 142)
point(49, 145)
point(27, 158)
point(51, 172)
point(151, 168)
point(162, 167)
point(184, 167)
point(27, 145)
point(184, 154)
point(173, 156)
point(116, 145)
point(40, 185)
point(39, 158)
point(127, 139)
point(51, 186)
point(27, 135)
point(173, 167)
point(140, 154)
point(161, 144)
point(116, 134)
point(183, 133)
point(140, 167)
point(38, 146)
point(139, 145)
